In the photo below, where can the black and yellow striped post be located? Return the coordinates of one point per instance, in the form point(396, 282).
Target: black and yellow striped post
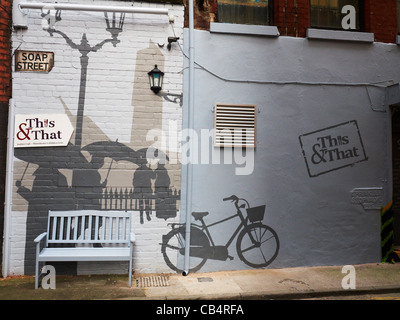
point(387, 234)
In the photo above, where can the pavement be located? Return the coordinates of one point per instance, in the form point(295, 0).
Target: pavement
point(274, 284)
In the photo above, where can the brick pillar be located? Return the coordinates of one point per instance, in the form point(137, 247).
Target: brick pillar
point(5, 95)
point(380, 18)
point(5, 47)
point(292, 17)
point(205, 11)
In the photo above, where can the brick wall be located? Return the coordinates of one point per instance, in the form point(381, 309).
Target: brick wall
point(5, 95)
point(292, 17)
point(119, 109)
point(5, 58)
point(381, 19)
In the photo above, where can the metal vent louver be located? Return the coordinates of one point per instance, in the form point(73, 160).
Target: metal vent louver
point(235, 125)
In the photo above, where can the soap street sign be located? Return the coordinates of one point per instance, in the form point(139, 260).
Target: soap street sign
point(332, 148)
point(46, 130)
point(34, 61)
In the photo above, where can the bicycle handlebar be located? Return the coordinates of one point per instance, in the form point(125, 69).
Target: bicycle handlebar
point(236, 200)
point(233, 198)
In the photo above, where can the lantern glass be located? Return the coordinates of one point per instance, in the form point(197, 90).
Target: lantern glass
point(156, 79)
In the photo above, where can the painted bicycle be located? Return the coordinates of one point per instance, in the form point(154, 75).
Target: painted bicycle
point(257, 244)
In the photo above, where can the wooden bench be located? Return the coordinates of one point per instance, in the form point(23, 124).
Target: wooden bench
point(86, 235)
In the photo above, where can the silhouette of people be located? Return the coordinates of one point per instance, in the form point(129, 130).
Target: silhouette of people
point(142, 189)
point(87, 183)
point(163, 194)
point(89, 189)
point(49, 192)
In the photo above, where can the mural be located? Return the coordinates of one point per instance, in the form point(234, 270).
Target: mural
point(95, 172)
point(257, 244)
point(151, 192)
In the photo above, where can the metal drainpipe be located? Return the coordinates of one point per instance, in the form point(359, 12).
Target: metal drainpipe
point(190, 126)
point(9, 187)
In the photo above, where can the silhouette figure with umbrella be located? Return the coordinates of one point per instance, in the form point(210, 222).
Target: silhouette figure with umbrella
point(49, 191)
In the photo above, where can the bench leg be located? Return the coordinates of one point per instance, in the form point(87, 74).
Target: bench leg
point(37, 274)
point(130, 272)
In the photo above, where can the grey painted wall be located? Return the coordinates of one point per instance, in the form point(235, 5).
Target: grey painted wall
point(318, 219)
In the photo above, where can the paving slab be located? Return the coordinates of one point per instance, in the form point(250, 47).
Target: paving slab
point(288, 283)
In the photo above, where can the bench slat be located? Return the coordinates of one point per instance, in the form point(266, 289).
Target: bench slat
point(68, 228)
point(96, 228)
point(80, 213)
point(53, 234)
point(90, 228)
point(86, 226)
point(124, 229)
point(75, 228)
point(61, 232)
point(117, 233)
point(83, 227)
point(89, 241)
point(103, 231)
point(85, 254)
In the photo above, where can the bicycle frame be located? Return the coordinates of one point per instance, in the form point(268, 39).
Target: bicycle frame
point(204, 247)
point(242, 224)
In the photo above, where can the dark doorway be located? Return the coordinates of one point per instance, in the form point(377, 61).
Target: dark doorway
point(396, 172)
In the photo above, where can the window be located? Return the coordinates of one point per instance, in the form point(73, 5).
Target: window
point(257, 12)
point(235, 125)
point(328, 14)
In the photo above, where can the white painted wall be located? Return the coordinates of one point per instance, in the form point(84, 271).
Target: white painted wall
point(113, 94)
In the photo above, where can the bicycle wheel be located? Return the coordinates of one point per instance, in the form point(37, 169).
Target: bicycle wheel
point(257, 245)
point(173, 248)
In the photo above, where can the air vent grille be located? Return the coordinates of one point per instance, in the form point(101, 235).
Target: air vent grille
point(235, 125)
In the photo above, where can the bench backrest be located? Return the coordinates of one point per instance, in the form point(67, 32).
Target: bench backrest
point(88, 226)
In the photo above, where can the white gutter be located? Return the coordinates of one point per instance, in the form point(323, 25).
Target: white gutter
point(20, 18)
point(190, 126)
point(84, 7)
point(9, 187)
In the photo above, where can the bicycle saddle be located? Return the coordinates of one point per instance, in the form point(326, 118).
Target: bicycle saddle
point(199, 215)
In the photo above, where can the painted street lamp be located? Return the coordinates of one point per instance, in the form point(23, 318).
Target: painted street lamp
point(115, 28)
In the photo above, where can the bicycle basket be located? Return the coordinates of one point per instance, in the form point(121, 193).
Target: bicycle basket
point(256, 213)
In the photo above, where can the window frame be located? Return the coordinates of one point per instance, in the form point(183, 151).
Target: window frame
point(361, 20)
point(270, 16)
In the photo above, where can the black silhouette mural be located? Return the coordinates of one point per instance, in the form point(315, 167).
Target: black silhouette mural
point(257, 244)
point(142, 189)
point(88, 189)
point(49, 191)
point(165, 204)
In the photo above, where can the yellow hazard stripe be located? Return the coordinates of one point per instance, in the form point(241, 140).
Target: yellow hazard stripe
point(387, 207)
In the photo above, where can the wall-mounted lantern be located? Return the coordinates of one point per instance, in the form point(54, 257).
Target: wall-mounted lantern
point(156, 79)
